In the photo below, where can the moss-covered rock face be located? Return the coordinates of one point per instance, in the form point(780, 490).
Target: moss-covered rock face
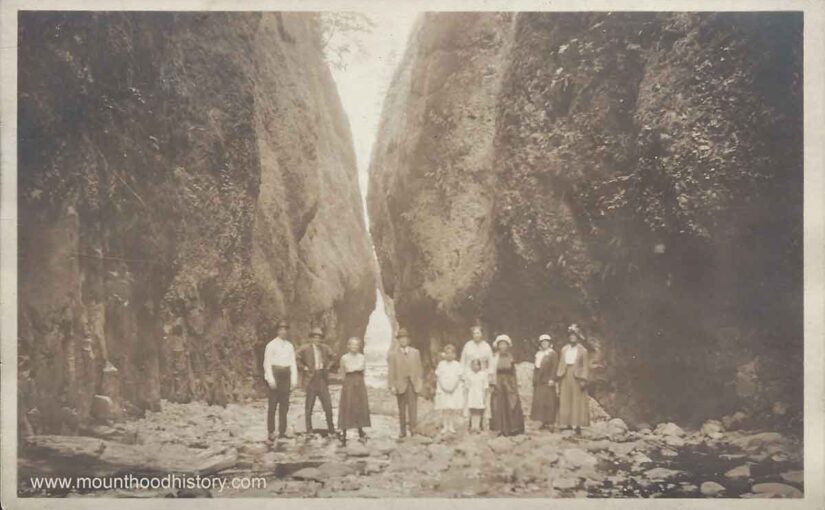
point(640, 174)
point(184, 181)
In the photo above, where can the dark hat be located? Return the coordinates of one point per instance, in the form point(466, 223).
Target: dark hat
point(282, 324)
point(316, 332)
point(402, 332)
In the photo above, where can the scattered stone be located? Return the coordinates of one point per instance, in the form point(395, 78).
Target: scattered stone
point(661, 473)
point(254, 449)
point(667, 452)
point(734, 421)
point(357, 450)
point(501, 444)
point(797, 477)
point(336, 469)
point(309, 473)
point(214, 463)
point(712, 427)
point(675, 441)
point(565, 483)
point(760, 441)
point(579, 458)
point(743, 471)
point(669, 429)
point(777, 490)
point(711, 489)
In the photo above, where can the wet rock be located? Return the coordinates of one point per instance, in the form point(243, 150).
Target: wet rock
point(356, 449)
point(501, 444)
point(735, 421)
point(565, 482)
point(675, 441)
point(661, 473)
point(776, 490)
point(669, 429)
point(739, 472)
point(711, 488)
point(797, 477)
point(711, 427)
point(579, 458)
point(667, 452)
point(211, 463)
point(761, 440)
point(617, 426)
point(309, 473)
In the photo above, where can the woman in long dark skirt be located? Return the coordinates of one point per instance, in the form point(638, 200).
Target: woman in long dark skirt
point(507, 417)
point(354, 409)
point(545, 400)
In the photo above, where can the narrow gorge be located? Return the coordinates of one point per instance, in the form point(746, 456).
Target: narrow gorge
point(185, 180)
point(637, 174)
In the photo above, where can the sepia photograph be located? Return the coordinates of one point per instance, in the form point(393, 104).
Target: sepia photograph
point(403, 252)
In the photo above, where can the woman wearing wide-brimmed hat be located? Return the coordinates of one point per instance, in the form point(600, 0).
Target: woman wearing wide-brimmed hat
point(506, 415)
point(572, 373)
point(545, 398)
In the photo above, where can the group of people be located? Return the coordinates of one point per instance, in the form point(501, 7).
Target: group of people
point(482, 379)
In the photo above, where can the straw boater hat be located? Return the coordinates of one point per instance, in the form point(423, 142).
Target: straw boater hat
point(402, 333)
point(316, 332)
point(545, 338)
point(504, 338)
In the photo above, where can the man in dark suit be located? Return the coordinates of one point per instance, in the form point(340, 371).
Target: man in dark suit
point(405, 380)
point(315, 361)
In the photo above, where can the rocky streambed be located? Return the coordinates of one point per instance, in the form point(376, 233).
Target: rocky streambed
point(607, 460)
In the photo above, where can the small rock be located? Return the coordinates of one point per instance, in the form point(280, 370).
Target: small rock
point(501, 444)
point(254, 449)
point(734, 421)
point(565, 483)
point(711, 488)
point(712, 427)
point(667, 452)
point(336, 469)
point(669, 429)
point(309, 473)
point(716, 435)
point(357, 450)
point(675, 441)
point(797, 477)
point(661, 473)
point(617, 424)
point(777, 490)
point(743, 471)
point(579, 458)
point(760, 440)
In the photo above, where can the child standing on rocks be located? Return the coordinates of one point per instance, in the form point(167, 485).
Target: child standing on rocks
point(477, 383)
point(449, 393)
point(353, 409)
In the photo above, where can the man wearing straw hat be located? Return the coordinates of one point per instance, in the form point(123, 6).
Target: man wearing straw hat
point(405, 378)
point(316, 360)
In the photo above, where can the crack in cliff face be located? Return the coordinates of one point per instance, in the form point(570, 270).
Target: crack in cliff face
point(609, 170)
point(213, 145)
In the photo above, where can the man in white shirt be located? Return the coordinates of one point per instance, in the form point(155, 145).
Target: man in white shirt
point(477, 349)
point(281, 373)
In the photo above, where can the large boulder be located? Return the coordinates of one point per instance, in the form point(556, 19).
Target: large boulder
point(178, 193)
point(526, 177)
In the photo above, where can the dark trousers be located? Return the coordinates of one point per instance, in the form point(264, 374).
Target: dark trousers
point(408, 404)
point(278, 400)
point(317, 387)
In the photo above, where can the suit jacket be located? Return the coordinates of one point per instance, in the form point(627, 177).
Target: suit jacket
point(305, 358)
point(546, 371)
point(581, 368)
point(405, 367)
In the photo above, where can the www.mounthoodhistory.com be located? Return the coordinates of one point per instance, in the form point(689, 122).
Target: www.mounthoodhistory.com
point(129, 481)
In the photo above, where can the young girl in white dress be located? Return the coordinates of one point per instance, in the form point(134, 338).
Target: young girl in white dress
point(477, 383)
point(449, 393)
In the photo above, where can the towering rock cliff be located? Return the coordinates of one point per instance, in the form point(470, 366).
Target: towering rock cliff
point(184, 181)
point(640, 174)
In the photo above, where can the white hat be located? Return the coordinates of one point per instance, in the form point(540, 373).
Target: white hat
point(504, 338)
point(545, 337)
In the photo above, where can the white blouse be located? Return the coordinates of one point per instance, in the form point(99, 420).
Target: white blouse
point(570, 354)
point(352, 362)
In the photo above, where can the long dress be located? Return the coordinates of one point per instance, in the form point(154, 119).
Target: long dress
point(545, 400)
point(477, 383)
point(506, 414)
point(449, 393)
point(353, 409)
point(574, 407)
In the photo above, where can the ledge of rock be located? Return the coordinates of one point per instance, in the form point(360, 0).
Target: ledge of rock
point(178, 193)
